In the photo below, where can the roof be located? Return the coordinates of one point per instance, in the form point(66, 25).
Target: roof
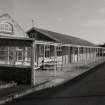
point(62, 38)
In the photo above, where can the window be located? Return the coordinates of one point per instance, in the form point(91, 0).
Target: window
point(59, 50)
point(6, 27)
point(3, 53)
point(19, 54)
point(47, 51)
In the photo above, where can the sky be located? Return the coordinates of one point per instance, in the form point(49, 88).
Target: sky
point(80, 18)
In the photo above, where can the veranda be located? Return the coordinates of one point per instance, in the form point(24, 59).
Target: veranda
point(38, 61)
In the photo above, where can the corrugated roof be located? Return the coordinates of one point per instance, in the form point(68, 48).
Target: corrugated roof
point(66, 39)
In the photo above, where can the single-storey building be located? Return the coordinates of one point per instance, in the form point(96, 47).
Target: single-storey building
point(66, 46)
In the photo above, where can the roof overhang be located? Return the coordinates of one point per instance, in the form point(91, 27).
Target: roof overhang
point(11, 41)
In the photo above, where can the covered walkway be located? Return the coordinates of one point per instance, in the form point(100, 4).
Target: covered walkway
point(67, 60)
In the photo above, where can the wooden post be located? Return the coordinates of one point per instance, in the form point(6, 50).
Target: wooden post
point(8, 56)
point(70, 57)
point(26, 59)
point(14, 56)
point(65, 53)
point(43, 56)
point(68, 54)
point(73, 54)
point(55, 63)
point(102, 53)
point(32, 63)
point(78, 54)
point(23, 56)
point(37, 54)
point(94, 54)
point(83, 55)
point(62, 58)
point(90, 55)
point(86, 55)
point(97, 54)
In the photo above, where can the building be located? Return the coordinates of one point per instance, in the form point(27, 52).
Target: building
point(22, 54)
point(66, 46)
point(15, 51)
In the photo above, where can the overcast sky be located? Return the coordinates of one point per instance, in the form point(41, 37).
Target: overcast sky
point(81, 18)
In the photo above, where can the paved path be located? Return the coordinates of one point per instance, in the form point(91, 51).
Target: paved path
point(87, 91)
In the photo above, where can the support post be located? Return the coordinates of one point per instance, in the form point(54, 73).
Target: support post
point(93, 54)
point(43, 56)
point(14, 56)
point(82, 56)
point(71, 58)
point(97, 53)
point(62, 58)
point(26, 59)
point(77, 54)
point(55, 62)
point(73, 54)
point(90, 54)
point(86, 55)
point(8, 56)
point(68, 54)
point(65, 53)
point(101, 54)
point(32, 63)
